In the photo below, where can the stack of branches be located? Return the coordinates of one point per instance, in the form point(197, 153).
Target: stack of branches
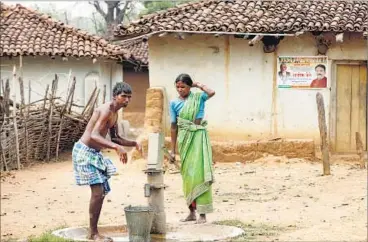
point(40, 130)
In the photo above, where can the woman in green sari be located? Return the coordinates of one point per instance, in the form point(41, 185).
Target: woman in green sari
point(189, 130)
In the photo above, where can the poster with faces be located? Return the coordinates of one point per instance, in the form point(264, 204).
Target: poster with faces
point(302, 71)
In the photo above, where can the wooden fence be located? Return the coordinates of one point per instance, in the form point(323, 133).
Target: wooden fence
point(42, 129)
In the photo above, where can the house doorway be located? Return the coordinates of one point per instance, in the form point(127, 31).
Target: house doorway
point(351, 106)
point(139, 81)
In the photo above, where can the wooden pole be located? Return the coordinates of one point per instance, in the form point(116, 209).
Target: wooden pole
point(104, 94)
point(71, 92)
point(69, 80)
point(53, 92)
point(3, 158)
point(72, 96)
point(93, 104)
point(96, 85)
point(21, 80)
point(7, 97)
point(67, 93)
point(7, 103)
point(22, 99)
point(58, 139)
point(21, 84)
point(323, 134)
point(1, 87)
point(29, 92)
point(45, 99)
point(26, 121)
point(2, 135)
point(274, 126)
point(22, 114)
point(6, 91)
point(21, 66)
point(89, 101)
point(359, 148)
point(40, 138)
point(15, 119)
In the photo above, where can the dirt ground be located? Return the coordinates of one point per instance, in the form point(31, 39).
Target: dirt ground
point(287, 193)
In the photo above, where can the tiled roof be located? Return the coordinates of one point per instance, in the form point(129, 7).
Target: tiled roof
point(251, 16)
point(139, 50)
point(24, 31)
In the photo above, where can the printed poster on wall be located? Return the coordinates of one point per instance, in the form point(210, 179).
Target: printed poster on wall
point(302, 72)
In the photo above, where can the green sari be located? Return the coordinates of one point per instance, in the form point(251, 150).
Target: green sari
point(196, 156)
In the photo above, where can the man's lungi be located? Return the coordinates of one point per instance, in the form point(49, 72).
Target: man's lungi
point(90, 167)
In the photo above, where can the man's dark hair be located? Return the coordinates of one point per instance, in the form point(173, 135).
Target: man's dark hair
point(322, 66)
point(121, 87)
point(185, 78)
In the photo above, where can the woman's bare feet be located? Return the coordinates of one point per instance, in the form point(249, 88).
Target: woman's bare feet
point(202, 219)
point(191, 217)
point(99, 238)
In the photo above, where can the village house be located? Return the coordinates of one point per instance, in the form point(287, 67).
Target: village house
point(45, 47)
point(266, 60)
point(136, 73)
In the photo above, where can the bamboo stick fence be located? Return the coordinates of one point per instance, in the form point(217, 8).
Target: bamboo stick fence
point(42, 129)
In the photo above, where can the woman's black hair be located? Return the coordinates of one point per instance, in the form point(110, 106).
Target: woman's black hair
point(185, 78)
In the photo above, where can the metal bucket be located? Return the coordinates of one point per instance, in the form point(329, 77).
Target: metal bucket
point(139, 223)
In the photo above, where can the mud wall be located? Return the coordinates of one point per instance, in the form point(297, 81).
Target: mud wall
point(248, 105)
point(223, 151)
point(248, 151)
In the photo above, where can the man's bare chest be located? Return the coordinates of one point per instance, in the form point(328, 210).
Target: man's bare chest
point(111, 121)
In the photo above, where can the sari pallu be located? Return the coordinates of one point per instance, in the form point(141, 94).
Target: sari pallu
point(196, 157)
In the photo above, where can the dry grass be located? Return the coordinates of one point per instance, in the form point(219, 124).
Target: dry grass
point(253, 232)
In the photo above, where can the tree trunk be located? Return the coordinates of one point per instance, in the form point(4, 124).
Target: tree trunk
point(113, 16)
point(110, 31)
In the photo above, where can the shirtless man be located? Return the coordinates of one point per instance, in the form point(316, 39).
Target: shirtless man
point(90, 167)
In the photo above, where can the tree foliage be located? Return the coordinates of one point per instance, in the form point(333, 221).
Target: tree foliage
point(107, 14)
point(155, 6)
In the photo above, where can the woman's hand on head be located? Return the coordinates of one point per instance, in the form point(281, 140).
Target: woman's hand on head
point(196, 84)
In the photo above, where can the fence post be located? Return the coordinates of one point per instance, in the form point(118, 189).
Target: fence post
point(323, 134)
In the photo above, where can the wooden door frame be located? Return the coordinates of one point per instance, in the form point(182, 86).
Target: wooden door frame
point(333, 98)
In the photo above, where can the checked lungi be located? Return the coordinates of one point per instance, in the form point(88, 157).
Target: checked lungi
point(90, 167)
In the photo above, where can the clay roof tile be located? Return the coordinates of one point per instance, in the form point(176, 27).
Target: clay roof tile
point(255, 16)
point(49, 37)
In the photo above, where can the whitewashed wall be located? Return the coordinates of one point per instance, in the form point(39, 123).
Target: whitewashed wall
point(40, 71)
point(247, 105)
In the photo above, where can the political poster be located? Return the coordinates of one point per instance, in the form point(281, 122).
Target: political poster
point(302, 72)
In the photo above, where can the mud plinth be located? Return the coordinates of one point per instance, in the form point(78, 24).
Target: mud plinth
point(178, 232)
